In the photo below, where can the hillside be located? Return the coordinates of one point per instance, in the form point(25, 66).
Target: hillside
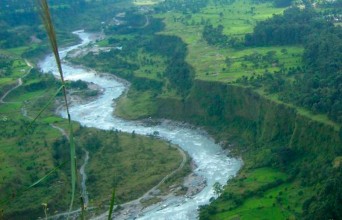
point(262, 77)
point(253, 94)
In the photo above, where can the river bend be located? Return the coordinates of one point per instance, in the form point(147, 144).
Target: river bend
point(211, 163)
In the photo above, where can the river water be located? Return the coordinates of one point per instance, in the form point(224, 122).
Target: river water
point(211, 162)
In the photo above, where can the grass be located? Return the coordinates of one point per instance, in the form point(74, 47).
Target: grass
point(33, 150)
point(255, 179)
point(318, 117)
point(152, 70)
point(217, 70)
point(150, 65)
point(17, 70)
point(261, 198)
point(6, 81)
point(20, 50)
point(131, 163)
point(209, 61)
point(277, 203)
point(142, 102)
point(50, 31)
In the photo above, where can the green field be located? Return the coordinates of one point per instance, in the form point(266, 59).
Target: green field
point(237, 20)
point(277, 203)
point(142, 102)
point(261, 193)
point(17, 69)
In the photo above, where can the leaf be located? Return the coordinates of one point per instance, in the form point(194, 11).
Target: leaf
point(46, 17)
point(111, 205)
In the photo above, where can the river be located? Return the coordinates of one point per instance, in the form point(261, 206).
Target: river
point(211, 162)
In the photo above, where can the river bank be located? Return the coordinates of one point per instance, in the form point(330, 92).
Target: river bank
point(268, 135)
point(211, 164)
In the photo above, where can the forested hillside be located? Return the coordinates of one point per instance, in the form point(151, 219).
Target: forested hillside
point(316, 84)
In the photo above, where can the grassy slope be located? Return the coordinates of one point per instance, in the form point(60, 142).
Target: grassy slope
point(261, 193)
point(131, 163)
point(26, 156)
point(142, 102)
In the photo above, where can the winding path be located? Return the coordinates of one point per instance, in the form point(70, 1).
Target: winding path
point(84, 178)
point(19, 82)
point(82, 169)
point(136, 204)
point(60, 130)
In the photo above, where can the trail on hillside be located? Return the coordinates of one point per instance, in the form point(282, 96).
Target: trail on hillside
point(135, 206)
point(19, 82)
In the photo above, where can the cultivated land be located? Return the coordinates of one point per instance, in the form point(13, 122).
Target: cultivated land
point(237, 19)
point(209, 61)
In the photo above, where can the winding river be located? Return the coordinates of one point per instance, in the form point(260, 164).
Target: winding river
point(211, 162)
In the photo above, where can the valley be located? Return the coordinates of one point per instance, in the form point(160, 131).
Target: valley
point(253, 74)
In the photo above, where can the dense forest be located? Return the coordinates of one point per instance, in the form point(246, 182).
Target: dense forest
point(316, 84)
point(214, 36)
point(177, 73)
point(290, 28)
point(22, 17)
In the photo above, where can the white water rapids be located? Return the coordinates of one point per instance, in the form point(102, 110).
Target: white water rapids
point(211, 163)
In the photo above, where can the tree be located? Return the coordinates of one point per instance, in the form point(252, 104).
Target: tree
point(229, 61)
point(218, 188)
